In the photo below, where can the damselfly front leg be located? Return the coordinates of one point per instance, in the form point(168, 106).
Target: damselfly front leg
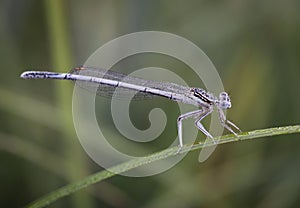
point(226, 123)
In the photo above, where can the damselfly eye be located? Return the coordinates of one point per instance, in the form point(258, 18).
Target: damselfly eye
point(224, 100)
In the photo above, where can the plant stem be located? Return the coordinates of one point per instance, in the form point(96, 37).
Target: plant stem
point(102, 175)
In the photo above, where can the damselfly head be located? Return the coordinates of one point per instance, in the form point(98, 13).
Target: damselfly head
point(224, 101)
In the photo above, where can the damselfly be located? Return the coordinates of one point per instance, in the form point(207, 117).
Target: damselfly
point(107, 81)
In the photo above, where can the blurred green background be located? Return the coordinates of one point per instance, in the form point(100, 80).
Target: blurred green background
point(255, 46)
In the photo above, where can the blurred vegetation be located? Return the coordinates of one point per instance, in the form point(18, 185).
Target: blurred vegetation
point(255, 45)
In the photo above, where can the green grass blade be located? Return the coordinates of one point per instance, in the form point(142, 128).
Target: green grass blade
point(102, 175)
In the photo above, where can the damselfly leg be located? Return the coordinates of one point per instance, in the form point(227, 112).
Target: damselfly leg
point(226, 123)
point(199, 114)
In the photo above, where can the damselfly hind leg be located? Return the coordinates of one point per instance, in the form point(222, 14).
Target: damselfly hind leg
point(202, 113)
point(179, 125)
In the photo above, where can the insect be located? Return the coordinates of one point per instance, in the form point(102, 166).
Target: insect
point(107, 81)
